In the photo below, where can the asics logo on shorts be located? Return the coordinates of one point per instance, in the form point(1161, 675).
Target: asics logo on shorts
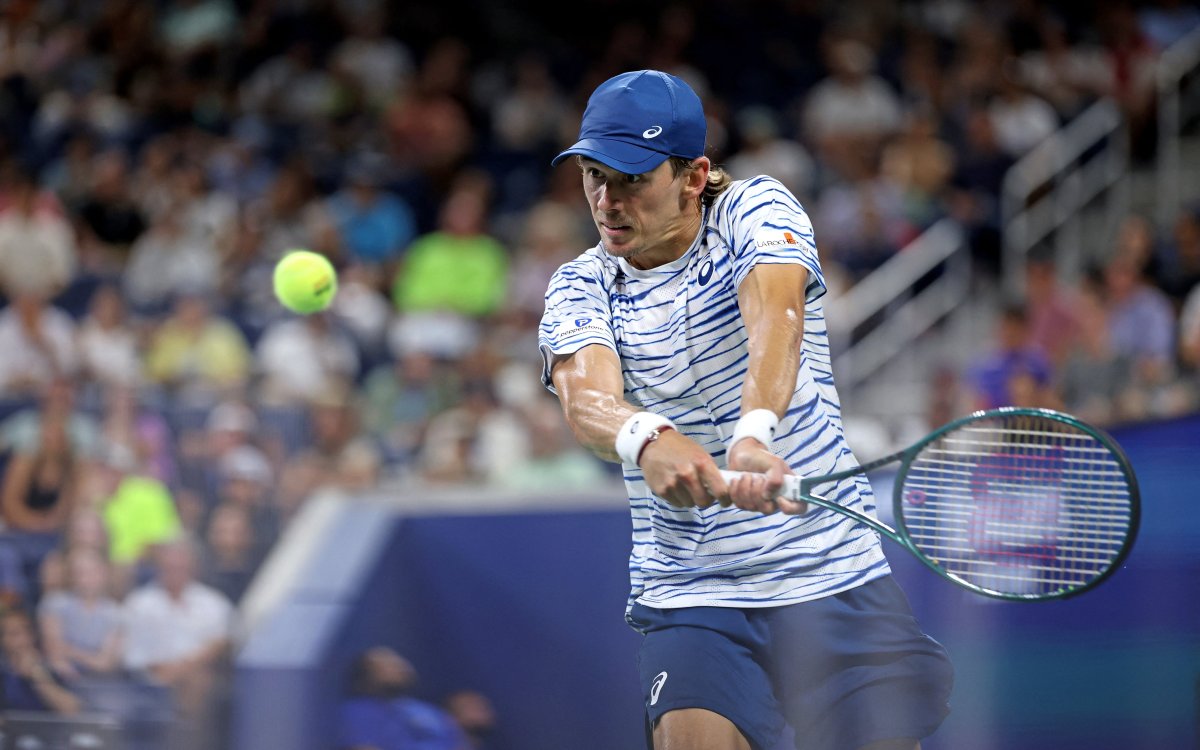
point(656, 687)
point(652, 132)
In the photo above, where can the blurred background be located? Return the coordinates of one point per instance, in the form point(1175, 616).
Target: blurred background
point(227, 526)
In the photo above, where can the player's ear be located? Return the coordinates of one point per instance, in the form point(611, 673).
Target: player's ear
point(696, 176)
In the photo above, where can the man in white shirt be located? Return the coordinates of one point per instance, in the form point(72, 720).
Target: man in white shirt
point(177, 629)
point(693, 336)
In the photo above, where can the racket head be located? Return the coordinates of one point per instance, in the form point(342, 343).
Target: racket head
point(1018, 504)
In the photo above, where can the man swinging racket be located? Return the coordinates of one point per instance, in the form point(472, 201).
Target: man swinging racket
point(691, 339)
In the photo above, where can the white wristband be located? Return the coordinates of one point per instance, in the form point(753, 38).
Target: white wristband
point(636, 431)
point(759, 424)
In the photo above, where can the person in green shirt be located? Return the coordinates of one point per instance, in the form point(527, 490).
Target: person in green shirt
point(459, 267)
point(139, 512)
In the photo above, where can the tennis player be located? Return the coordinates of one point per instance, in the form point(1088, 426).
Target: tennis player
point(689, 339)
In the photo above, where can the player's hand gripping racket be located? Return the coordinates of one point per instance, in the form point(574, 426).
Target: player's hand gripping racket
point(1023, 504)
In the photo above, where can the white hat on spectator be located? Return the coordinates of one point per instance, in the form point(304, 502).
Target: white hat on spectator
point(247, 463)
point(231, 416)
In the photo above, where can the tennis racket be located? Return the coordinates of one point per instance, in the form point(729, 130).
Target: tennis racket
point(1017, 504)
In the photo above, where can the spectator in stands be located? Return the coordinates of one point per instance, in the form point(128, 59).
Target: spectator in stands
point(39, 481)
point(1132, 59)
point(292, 87)
point(85, 531)
point(363, 309)
point(1093, 377)
point(197, 355)
point(1015, 367)
point(233, 552)
point(247, 483)
point(39, 343)
point(1141, 320)
point(138, 510)
point(337, 445)
point(919, 163)
point(302, 359)
point(26, 681)
point(177, 629)
point(766, 150)
point(853, 109)
point(112, 220)
point(38, 256)
point(550, 461)
point(1069, 76)
point(380, 714)
point(550, 237)
point(1142, 329)
point(81, 626)
point(170, 259)
point(1021, 119)
point(862, 219)
point(374, 225)
point(474, 714)
point(1052, 308)
point(450, 450)
point(975, 196)
point(380, 65)
point(1177, 271)
point(142, 430)
point(229, 425)
point(400, 397)
point(107, 343)
point(452, 277)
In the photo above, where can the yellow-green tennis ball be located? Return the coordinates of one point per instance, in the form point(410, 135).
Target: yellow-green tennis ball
point(305, 282)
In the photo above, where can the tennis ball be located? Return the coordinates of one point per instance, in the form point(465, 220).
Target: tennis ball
point(305, 282)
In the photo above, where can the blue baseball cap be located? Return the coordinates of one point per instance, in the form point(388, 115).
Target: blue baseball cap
point(635, 121)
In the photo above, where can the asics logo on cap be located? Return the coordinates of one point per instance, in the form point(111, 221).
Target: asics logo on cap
point(652, 132)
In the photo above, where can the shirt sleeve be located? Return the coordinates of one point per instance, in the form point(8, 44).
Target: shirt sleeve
point(577, 314)
point(766, 224)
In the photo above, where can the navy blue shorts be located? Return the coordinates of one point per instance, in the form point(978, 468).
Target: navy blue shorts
point(834, 673)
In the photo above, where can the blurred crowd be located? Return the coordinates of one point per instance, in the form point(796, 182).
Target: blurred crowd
point(1120, 345)
point(162, 418)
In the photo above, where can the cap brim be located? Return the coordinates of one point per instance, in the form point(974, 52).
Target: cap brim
point(620, 155)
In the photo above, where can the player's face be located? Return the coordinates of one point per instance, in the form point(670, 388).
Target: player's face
point(648, 219)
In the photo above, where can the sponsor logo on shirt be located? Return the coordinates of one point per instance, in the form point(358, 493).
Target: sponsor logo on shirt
point(579, 325)
point(706, 272)
point(781, 239)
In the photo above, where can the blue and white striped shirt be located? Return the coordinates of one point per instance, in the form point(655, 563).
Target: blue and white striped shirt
point(683, 350)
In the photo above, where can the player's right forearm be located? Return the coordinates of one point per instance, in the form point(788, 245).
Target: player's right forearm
point(596, 418)
point(592, 391)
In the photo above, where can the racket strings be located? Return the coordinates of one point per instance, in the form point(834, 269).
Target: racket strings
point(1019, 505)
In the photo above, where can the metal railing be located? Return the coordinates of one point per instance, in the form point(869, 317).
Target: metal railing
point(892, 296)
point(1178, 100)
point(1045, 192)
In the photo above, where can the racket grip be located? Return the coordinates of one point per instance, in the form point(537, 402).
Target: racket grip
point(790, 489)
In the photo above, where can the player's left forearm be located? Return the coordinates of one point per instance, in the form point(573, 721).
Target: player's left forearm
point(771, 300)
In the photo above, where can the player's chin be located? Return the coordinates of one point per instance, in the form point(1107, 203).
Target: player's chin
point(622, 250)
